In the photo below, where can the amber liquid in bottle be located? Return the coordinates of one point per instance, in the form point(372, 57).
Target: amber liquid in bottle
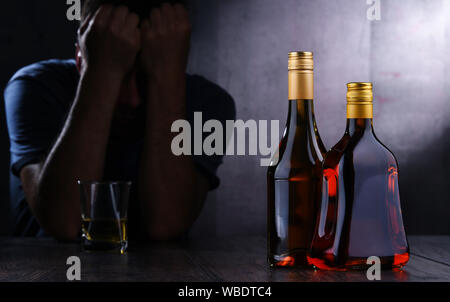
point(359, 215)
point(293, 178)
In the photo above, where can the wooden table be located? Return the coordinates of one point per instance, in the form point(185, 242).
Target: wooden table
point(218, 259)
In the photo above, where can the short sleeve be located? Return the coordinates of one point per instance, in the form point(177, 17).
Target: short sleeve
point(34, 119)
point(214, 103)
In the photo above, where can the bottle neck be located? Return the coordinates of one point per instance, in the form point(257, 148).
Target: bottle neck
point(359, 126)
point(301, 115)
point(301, 84)
point(301, 95)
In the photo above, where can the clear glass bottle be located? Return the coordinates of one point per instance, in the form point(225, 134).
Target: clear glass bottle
point(360, 213)
point(295, 172)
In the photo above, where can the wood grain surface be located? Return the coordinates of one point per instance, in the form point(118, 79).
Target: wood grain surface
point(215, 259)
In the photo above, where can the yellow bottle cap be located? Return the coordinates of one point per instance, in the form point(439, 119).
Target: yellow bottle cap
point(301, 60)
point(301, 75)
point(359, 100)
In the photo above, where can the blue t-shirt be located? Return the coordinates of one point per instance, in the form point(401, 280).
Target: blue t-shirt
point(38, 98)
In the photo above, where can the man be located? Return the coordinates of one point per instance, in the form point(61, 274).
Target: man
point(107, 116)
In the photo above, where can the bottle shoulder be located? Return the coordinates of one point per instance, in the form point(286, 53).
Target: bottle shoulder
point(334, 155)
point(365, 150)
point(288, 167)
point(297, 156)
point(294, 162)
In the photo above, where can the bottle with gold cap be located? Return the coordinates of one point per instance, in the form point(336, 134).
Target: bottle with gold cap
point(295, 171)
point(359, 214)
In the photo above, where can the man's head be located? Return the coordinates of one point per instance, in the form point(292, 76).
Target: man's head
point(141, 7)
point(131, 96)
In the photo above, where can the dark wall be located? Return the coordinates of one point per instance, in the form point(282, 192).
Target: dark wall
point(243, 46)
point(29, 31)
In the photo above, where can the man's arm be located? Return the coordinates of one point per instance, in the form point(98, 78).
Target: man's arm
point(109, 42)
point(171, 190)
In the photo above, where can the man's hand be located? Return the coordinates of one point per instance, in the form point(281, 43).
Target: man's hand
point(165, 42)
point(110, 40)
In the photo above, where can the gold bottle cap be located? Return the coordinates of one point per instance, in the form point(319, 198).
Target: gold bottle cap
point(301, 60)
point(359, 92)
point(359, 100)
point(301, 75)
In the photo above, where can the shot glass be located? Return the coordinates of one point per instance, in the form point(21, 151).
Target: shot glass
point(104, 208)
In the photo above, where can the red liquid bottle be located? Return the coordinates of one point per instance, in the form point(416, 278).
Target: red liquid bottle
point(359, 214)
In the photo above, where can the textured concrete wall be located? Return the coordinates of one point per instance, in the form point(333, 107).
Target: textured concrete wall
point(410, 67)
point(243, 46)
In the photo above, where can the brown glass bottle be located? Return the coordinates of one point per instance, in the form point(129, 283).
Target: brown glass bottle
point(295, 172)
point(359, 214)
